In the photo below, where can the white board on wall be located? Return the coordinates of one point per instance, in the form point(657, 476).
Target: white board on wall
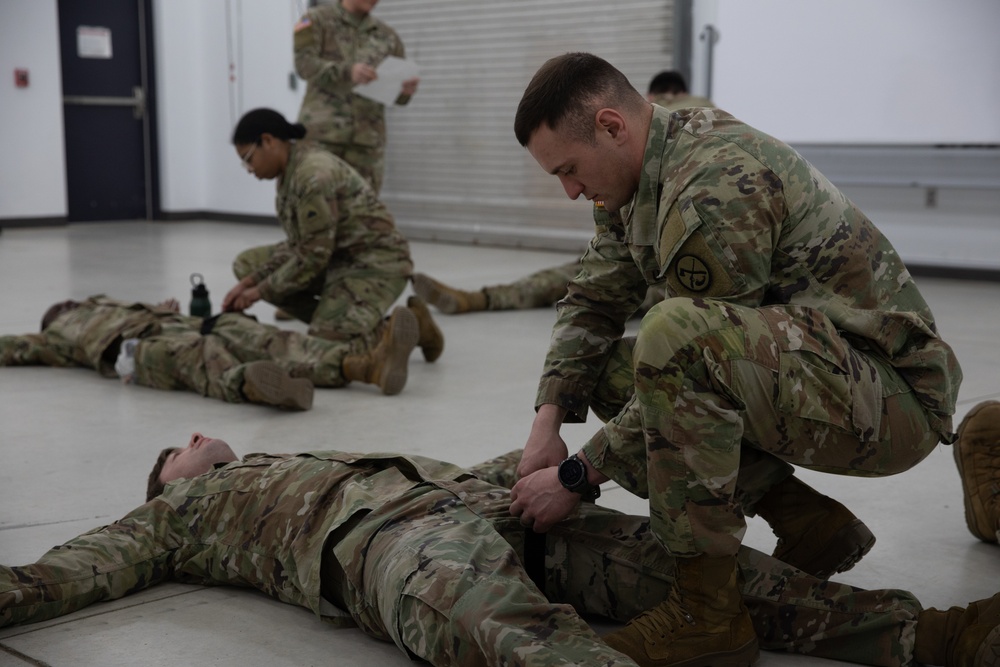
point(861, 72)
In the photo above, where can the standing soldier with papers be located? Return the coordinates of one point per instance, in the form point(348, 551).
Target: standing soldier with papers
point(337, 47)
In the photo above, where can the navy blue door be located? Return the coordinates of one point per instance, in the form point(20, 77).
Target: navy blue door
point(107, 95)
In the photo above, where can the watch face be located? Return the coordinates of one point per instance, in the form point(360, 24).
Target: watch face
point(572, 472)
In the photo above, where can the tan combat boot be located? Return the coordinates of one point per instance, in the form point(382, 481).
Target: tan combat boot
point(977, 453)
point(267, 383)
point(815, 533)
point(431, 340)
point(447, 299)
point(703, 622)
point(968, 637)
point(386, 365)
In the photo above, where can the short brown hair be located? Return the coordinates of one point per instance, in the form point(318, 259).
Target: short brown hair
point(569, 90)
point(154, 486)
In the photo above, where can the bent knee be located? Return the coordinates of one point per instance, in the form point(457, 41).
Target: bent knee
point(681, 323)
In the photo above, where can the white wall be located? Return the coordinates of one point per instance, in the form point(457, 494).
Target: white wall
point(872, 74)
point(33, 166)
point(179, 43)
point(199, 103)
point(857, 71)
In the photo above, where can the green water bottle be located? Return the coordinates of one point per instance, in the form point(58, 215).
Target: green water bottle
point(200, 305)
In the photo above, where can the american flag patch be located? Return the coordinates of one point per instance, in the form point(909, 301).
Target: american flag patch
point(304, 23)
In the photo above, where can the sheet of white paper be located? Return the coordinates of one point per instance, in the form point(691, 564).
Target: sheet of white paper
point(391, 74)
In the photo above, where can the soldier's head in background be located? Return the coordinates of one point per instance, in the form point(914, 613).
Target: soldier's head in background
point(667, 82)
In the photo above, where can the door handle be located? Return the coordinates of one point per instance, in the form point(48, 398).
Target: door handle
point(137, 101)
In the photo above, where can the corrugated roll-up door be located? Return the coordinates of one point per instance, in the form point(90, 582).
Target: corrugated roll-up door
point(454, 170)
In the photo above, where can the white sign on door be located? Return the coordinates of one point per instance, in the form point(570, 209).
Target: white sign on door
point(93, 42)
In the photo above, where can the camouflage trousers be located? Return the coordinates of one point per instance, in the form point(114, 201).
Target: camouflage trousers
point(213, 365)
point(441, 576)
point(544, 288)
point(537, 290)
point(721, 390)
point(369, 161)
point(346, 303)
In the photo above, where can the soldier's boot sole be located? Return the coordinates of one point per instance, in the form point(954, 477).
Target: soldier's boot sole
point(268, 383)
point(977, 518)
point(988, 654)
point(745, 656)
point(434, 293)
point(839, 553)
point(404, 332)
point(431, 340)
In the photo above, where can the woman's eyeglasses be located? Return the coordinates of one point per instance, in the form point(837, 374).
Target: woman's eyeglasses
point(245, 158)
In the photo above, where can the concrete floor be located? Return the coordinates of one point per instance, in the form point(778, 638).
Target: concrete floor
point(77, 448)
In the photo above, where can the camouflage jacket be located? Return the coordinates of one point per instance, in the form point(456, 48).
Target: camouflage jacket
point(331, 217)
point(673, 102)
point(724, 211)
point(88, 335)
point(260, 523)
point(328, 41)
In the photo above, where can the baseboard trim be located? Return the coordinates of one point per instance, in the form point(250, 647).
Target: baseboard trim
point(216, 216)
point(170, 216)
point(954, 272)
point(33, 222)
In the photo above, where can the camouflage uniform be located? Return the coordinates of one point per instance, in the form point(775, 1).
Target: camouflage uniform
point(344, 262)
point(544, 288)
point(673, 102)
point(328, 42)
point(423, 554)
point(537, 290)
point(172, 352)
point(791, 332)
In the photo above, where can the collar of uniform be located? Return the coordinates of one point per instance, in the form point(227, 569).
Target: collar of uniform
point(641, 211)
point(296, 153)
point(357, 22)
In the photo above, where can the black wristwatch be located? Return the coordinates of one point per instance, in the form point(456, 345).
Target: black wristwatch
point(573, 476)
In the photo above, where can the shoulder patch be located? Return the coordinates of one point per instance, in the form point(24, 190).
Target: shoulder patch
point(304, 35)
point(697, 271)
point(692, 273)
